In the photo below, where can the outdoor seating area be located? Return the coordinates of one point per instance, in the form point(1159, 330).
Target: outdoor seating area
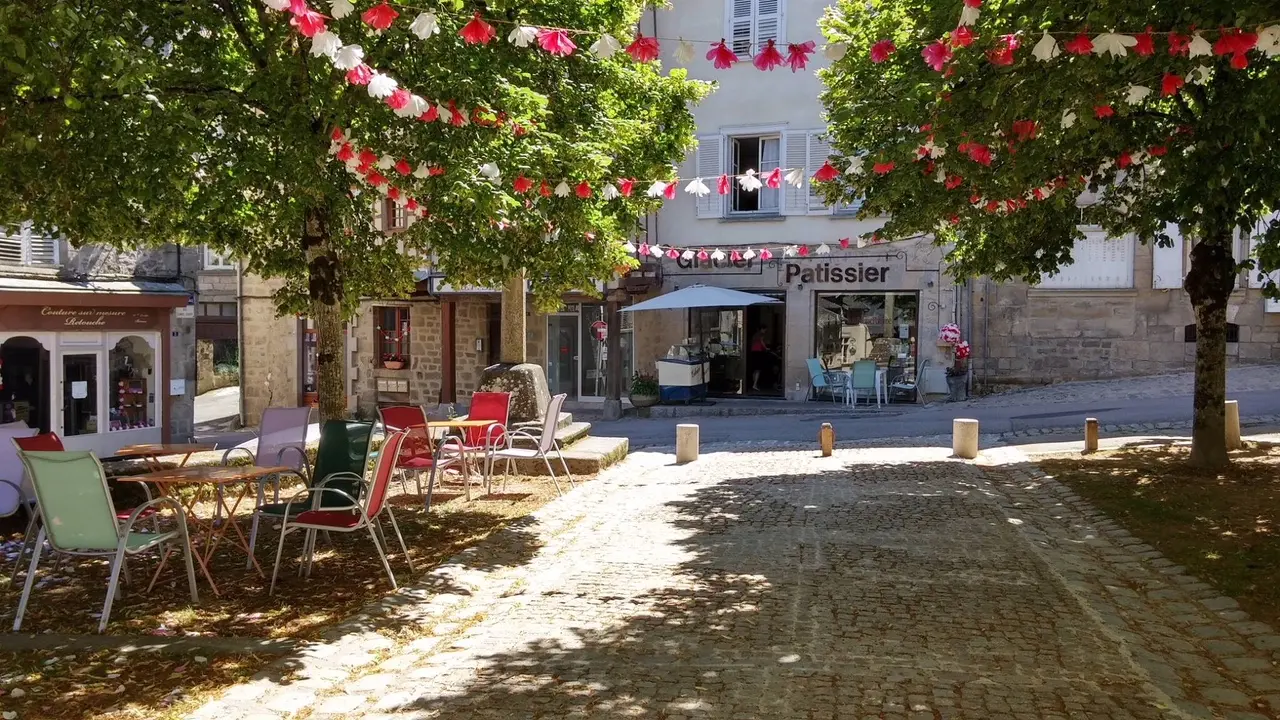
point(146, 507)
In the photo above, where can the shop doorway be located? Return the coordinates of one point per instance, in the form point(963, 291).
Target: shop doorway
point(577, 352)
point(24, 383)
point(80, 393)
point(745, 348)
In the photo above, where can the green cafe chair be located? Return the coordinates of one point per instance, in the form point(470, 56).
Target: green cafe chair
point(80, 519)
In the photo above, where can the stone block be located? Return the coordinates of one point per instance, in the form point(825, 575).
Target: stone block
point(527, 384)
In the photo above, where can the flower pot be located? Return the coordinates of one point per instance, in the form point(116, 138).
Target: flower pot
point(643, 401)
point(956, 384)
point(393, 364)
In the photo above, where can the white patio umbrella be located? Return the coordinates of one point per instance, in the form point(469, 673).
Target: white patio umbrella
point(700, 296)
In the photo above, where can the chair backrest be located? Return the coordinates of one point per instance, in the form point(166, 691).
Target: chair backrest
point(549, 426)
point(495, 406)
point(71, 492)
point(388, 456)
point(282, 428)
point(864, 374)
point(415, 445)
point(344, 448)
point(11, 469)
point(44, 442)
point(817, 376)
point(399, 417)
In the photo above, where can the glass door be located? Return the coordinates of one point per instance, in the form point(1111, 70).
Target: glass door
point(79, 394)
point(594, 355)
point(563, 354)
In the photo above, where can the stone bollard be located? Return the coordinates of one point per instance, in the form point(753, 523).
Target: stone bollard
point(1233, 425)
point(826, 439)
point(686, 443)
point(964, 438)
point(1091, 435)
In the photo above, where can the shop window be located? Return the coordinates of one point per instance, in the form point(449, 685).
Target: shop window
point(79, 394)
point(24, 383)
point(132, 402)
point(878, 327)
point(762, 154)
point(218, 310)
point(1233, 333)
point(392, 340)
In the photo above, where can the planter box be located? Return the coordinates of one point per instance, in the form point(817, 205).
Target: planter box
point(393, 364)
point(643, 401)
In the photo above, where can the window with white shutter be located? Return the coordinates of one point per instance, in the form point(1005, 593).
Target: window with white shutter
point(1254, 278)
point(23, 246)
point(819, 150)
point(1166, 262)
point(760, 153)
point(1098, 263)
point(709, 165)
point(795, 148)
point(214, 260)
point(749, 24)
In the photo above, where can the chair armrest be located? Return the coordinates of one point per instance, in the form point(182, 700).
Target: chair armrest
point(319, 493)
point(227, 455)
point(162, 500)
point(302, 454)
point(18, 495)
point(511, 436)
point(344, 475)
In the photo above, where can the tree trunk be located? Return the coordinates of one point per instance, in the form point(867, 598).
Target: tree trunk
point(324, 290)
point(1209, 284)
point(513, 331)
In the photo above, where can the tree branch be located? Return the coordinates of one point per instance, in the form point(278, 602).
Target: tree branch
point(255, 51)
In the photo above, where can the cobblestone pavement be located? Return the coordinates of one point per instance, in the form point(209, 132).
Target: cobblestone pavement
point(879, 583)
point(1242, 379)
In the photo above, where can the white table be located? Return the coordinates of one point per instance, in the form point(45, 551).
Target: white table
point(881, 389)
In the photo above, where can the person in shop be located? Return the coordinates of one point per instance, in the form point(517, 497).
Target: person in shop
point(762, 357)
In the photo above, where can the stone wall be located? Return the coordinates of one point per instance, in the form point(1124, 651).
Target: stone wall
point(1028, 336)
point(269, 351)
point(471, 322)
point(217, 286)
point(206, 377)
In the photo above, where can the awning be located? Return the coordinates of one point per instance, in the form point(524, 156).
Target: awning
point(139, 293)
point(698, 296)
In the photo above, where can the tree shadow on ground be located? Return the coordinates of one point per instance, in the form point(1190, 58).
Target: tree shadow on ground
point(872, 589)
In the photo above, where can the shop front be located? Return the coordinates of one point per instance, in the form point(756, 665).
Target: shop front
point(577, 350)
point(92, 367)
point(875, 304)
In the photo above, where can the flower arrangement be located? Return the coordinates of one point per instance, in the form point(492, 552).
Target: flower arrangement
point(963, 351)
point(644, 384)
point(949, 334)
point(393, 361)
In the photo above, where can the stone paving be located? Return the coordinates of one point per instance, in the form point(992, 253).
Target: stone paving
point(879, 583)
point(1240, 379)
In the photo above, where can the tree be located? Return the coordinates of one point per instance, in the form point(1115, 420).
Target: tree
point(217, 121)
point(966, 133)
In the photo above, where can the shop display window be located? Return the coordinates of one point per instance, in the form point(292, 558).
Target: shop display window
point(132, 399)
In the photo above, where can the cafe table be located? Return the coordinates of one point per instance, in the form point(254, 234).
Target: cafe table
point(216, 484)
point(151, 453)
point(448, 426)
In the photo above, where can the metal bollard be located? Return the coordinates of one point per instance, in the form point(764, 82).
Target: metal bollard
point(1091, 435)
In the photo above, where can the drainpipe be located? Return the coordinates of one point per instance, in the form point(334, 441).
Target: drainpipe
point(968, 325)
point(986, 329)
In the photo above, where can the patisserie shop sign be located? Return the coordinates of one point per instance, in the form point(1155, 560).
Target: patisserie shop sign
point(874, 272)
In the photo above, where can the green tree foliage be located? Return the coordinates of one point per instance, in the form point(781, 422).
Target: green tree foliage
point(1200, 156)
point(210, 121)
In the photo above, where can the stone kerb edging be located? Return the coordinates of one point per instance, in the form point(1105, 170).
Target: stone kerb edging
point(295, 683)
point(1197, 647)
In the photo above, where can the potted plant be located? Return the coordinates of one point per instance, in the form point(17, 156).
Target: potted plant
point(644, 390)
point(393, 361)
point(958, 373)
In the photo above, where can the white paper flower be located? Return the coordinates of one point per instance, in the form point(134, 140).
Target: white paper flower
point(386, 162)
point(1046, 49)
point(1113, 44)
point(790, 250)
point(823, 249)
point(610, 192)
point(1199, 47)
point(1269, 40)
point(655, 250)
point(606, 46)
point(969, 15)
point(855, 165)
point(748, 254)
point(795, 177)
point(490, 171)
point(717, 255)
point(280, 5)
point(1136, 94)
point(656, 189)
point(686, 255)
point(382, 85)
point(417, 105)
point(835, 51)
point(749, 181)
point(348, 57)
point(340, 8)
point(325, 43)
point(628, 248)
point(523, 36)
point(697, 187)
point(1068, 119)
point(425, 25)
point(422, 171)
point(862, 242)
point(685, 52)
point(940, 176)
point(562, 190)
point(1200, 75)
point(443, 113)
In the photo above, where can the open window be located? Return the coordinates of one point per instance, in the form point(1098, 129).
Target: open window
point(761, 153)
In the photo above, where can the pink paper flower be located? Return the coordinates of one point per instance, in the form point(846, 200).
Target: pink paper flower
point(936, 55)
point(1002, 55)
point(309, 23)
point(522, 185)
point(643, 49)
point(826, 173)
point(882, 50)
point(670, 191)
point(803, 251)
point(380, 17)
point(399, 99)
point(1079, 45)
point(883, 168)
point(798, 54)
point(477, 31)
point(556, 42)
point(774, 179)
point(765, 254)
point(1103, 112)
point(403, 167)
point(1146, 44)
point(583, 190)
point(1171, 84)
point(963, 36)
point(360, 75)
point(345, 153)
point(722, 185)
point(625, 185)
point(768, 58)
point(721, 57)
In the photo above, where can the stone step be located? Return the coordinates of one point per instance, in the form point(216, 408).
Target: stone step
point(587, 456)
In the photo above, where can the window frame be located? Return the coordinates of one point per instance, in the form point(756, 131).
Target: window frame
point(393, 216)
point(33, 249)
point(754, 40)
point(394, 347)
point(214, 260)
point(731, 145)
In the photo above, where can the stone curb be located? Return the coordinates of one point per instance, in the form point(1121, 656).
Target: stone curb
point(1194, 615)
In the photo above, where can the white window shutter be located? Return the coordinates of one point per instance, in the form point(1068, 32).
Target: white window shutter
point(709, 165)
point(769, 23)
point(739, 17)
point(819, 150)
point(1166, 263)
point(795, 154)
point(377, 215)
point(1098, 262)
